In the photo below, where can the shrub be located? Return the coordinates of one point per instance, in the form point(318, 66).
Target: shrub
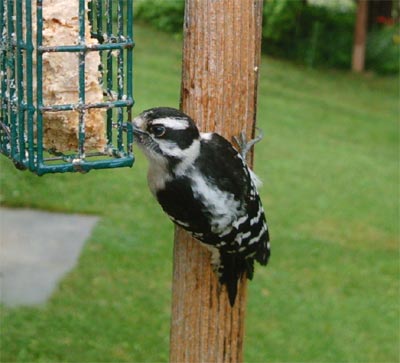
point(280, 27)
point(163, 15)
point(293, 29)
point(310, 34)
point(383, 49)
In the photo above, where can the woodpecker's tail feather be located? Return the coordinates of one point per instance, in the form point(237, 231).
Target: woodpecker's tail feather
point(233, 267)
point(229, 275)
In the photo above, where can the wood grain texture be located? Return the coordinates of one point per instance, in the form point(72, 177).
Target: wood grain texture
point(221, 56)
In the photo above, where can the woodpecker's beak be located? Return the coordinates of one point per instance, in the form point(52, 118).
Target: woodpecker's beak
point(144, 140)
point(138, 132)
point(138, 123)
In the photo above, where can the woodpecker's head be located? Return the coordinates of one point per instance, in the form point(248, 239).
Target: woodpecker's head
point(166, 133)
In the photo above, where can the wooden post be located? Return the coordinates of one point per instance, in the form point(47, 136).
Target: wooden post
point(221, 56)
point(360, 36)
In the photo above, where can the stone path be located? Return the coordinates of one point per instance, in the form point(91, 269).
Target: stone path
point(36, 250)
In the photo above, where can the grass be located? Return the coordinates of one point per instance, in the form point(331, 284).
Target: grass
point(329, 162)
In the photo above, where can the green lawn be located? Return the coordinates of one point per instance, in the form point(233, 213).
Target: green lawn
point(329, 162)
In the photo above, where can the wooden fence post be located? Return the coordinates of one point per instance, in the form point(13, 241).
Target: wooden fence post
point(221, 56)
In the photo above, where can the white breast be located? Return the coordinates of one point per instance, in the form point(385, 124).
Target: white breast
point(158, 175)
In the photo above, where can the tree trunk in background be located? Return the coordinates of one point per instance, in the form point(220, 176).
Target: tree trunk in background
point(360, 36)
point(221, 56)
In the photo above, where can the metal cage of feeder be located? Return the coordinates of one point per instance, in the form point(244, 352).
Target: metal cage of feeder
point(22, 107)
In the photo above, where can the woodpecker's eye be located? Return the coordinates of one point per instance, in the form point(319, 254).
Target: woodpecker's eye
point(157, 130)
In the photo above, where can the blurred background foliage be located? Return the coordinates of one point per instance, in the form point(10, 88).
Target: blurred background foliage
point(318, 33)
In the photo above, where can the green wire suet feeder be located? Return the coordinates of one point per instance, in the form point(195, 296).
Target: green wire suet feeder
point(66, 80)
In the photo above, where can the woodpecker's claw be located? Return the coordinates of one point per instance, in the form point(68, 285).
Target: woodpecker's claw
point(244, 145)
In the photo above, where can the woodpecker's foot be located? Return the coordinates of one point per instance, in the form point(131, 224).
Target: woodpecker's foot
point(244, 145)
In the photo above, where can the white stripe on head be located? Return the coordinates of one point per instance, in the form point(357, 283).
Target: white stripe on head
point(172, 123)
point(170, 148)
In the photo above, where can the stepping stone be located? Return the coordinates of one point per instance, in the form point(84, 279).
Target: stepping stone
point(36, 250)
